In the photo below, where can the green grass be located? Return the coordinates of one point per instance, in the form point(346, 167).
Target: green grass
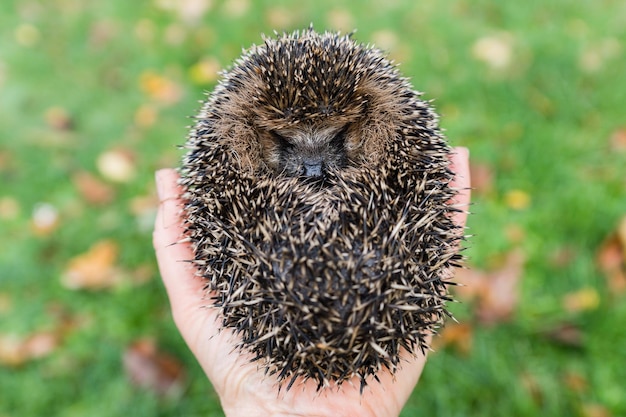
point(542, 125)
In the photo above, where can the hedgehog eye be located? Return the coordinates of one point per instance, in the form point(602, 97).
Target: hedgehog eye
point(339, 140)
point(280, 140)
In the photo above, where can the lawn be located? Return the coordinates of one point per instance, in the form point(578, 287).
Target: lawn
point(96, 96)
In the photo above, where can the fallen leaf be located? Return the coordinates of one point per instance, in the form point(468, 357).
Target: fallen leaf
point(340, 19)
point(9, 208)
point(530, 383)
point(146, 116)
point(205, 71)
point(236, 8)
point(92, 189)
point(515, 233)
point(575, 382)
point(190, 11)
point(160, 88)
point(16, 351)
point(27, 35)
point(595, 410)
point(618, 139)
point(117, 165)
point(585, 299)
point(45, 219)
point(279, 17)
point(59, 119)
point(458, 336)
point(517, 199)
point(6, 303)
point(94, 269)
point(565, 334)
point(151, 369)
point(496, 293)
point(495, 51)
point(611, 258)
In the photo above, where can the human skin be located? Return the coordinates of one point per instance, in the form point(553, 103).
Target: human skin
point(242, 386)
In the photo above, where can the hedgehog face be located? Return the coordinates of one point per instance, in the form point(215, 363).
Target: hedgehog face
point(310, 152)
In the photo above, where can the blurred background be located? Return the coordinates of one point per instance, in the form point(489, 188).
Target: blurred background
point(96, 96)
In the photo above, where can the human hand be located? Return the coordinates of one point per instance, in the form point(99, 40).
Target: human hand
point(243, 387)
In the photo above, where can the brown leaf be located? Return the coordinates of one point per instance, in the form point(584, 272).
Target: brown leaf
point(92, 189)
point(458, 336)
point(595, 410)
point(618, 139)
point(566, 334)
point(576, 382)
point(611, 258)
point(94, 269)
point(530, 383)
point(59, 119)
point(495, 292)
point(16, 351)
point(152, 369)
point(160, 88)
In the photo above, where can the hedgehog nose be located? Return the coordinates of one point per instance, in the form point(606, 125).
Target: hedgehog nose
point(313, 167)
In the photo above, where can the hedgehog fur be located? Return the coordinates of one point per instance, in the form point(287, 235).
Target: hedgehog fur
point(317, 200)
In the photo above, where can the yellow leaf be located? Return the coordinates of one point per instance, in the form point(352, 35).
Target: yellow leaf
point(517, 199)
point(205, 71)
point(94, 269)
point(582, 300)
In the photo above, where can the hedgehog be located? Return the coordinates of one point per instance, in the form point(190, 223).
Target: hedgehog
point(317, 198)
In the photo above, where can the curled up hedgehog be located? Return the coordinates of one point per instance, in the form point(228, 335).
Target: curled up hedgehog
point(318, 203)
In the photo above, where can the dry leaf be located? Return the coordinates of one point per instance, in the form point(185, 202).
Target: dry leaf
point(160, 88)
point(94, 269)
point(585, 299)
point(205, 71)
point(58, 118)
point(152, 369)
point(9, 208)
point(92, 189)
point(618, 139)
point(496, 293)
point(458, 336)
point(340, 19)
point(279, 17)
point(576, 382)
point(45, 219)
point(189, 11)
point(533, 387)
point(566, 334)
point(517, 199)
point(117, 165)
point(595, 410)
point(495, 51)
point(27, 35)
point(16, 351)
point(611, 258)
point(146, 116)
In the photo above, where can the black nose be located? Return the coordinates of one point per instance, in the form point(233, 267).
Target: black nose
point(313, 166)
point(313, 169)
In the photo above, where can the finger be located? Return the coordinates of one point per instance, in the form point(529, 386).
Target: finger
point(460, 166)
point(173, 255)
